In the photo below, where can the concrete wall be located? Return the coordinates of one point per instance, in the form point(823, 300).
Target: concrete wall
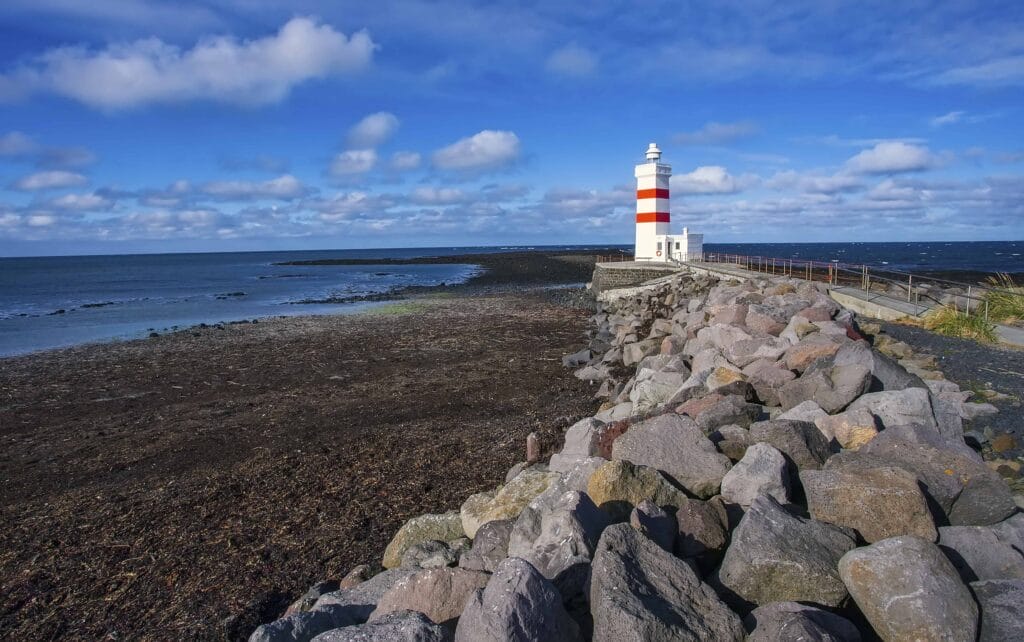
point(618, 276)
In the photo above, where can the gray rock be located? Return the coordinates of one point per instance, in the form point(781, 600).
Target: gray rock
point(778, 557)
point(654, 388)
point(400, 626)
point(581, 441)
point(429, 554)
point(490, 546)
point(577, 359)
point(946, 408)
point(1002, 618)
point(678, 448)
point(970, 495)
point(767, 381)
point(808, 411)
point(971, 411)
point(438, 593)
point(633, 353)
point(876, 502)
point(979, 554)
point(886, 374)
point(1011, 531)
point(641, 592)
point(566, 533)
point(899, 407)
point(659, 526)
point(703, 531)
point(310, 597)
point(732, 409)
point(800, 441)
point(833, 389)
point(619, 486)
point(762, 471)
point(908, 590)
point(593, 373)
point(794, 621)
point(518, 605)
point(442, 527)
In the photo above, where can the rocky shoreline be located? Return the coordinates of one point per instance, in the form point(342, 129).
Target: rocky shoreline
point(757, 470)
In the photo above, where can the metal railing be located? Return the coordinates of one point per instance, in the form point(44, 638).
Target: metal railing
point(924, 291)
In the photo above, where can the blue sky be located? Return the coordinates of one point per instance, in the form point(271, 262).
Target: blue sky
point(130, 126)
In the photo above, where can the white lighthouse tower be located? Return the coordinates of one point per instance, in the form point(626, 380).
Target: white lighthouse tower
point(653, 242)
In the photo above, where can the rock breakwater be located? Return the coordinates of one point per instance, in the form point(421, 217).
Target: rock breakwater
point(755, 468)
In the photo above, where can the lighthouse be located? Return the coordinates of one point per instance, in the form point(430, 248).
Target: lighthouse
point(653, 216)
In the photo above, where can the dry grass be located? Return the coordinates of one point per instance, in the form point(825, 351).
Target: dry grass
point(1005, 304)
point(949, 321)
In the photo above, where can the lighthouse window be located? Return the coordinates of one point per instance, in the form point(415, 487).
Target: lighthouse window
point(677, 245)
point(659, 246)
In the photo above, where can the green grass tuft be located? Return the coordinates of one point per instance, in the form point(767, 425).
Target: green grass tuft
point(1005, 304)
point(949, 321)
point(397, 309)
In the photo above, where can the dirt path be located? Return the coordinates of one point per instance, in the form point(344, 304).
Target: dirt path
point(153, 488)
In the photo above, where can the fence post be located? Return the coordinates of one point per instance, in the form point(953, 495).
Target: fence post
point(968, 300)
point(910, 286)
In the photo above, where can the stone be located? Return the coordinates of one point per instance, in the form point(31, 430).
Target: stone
point(703, 531)
point(532, 448)
point(899, 407)
point(641, 592)
point(309, 598)
point(442, 527)
point(633, 353)
point(764, 320)
point(762, 471)
point(617, 487)
point(831, 389)
point(779, 621)
point(778, 557)
point(800, 441)
point(946, 408)
point(971, 411)
point(617, 412)
point(517, 605)
point(886, 374)
point(560, 536)
point(808, 411)
point(877, 502)
point(717, 410)
point(400, 626)
point(577, 359)
point(767, 381)
point(581, 441)
point(730, 315)
point(657, 525)
point(506, 503)
point(963, 487)
point(593, 373)
point(797, 328)
point(654, 388)
point(1003, 442)
point(678, 448)
point(727, 377)
point(1001, 615)
point(811, 348)
point(746, 351)
point(850, 430)
point(516, 470)
point(979, 554)
point(490, 546)
point(429, 554)
point(908, 590)
point(438, 593)
point(357, 575)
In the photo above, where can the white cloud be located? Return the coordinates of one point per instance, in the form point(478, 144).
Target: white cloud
point(947, 118)
point(809, 183)
point(81, 202)
point(485, 150)
point(219, 68)
point(372, 130)
point(437, 196)
point(353, 161)
point(404, 161)
point(714, 133)
point(1000, 72)
point(572, 60)
point(49, 180)
point(284, 187)
point(892, 157)
point(16, 144)
point(41, 220)
point(709, 179)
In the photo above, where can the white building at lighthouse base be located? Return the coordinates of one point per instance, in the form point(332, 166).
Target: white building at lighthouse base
point(679, 247)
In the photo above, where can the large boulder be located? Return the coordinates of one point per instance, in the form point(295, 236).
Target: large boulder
point(554, 539)
point(762, 471)
point(963, 487)
point(517, 605)
point(849, 430)
point(641, 592)
point(400, 626)
point(678, 448)
point(716, 410)
point(582, 440)
point(490, 546)
point(432, 553)
point(979, 554)
point(1001, 615)
point(653, 388)
point(899, 407)
point(780, 621)
point(443, 527)
point(438, 593)
point(800, 441)
point(778, 557)
point(832, 389)
point(703, 531)
point(506, 503)
point(811, 348)
point(908, 590)
point(886, 374)
point(808, 411)
point(767, 380)
point(633, 353)
point(876, 502)
point(618, 486)
point(653, 521)
point(765, 319)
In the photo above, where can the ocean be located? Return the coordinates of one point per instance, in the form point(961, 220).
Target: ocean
point(51, 302)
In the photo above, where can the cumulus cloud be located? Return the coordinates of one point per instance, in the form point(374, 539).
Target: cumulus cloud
point(20, 146)
point(714, 133)
point(947, 119)
point(892, 157)
point(372, 130)
point(437, 196)
point(488, 149)
point(572, 60)
point(811, 183)
point(353, 161)
point(284, 188)
point(81, 202)
point(404, 161)
point(219, 68)
point(708, 179)
point(54, 179)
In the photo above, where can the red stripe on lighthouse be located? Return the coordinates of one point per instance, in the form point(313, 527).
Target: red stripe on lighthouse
point(653, 217)
point(652, 193)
